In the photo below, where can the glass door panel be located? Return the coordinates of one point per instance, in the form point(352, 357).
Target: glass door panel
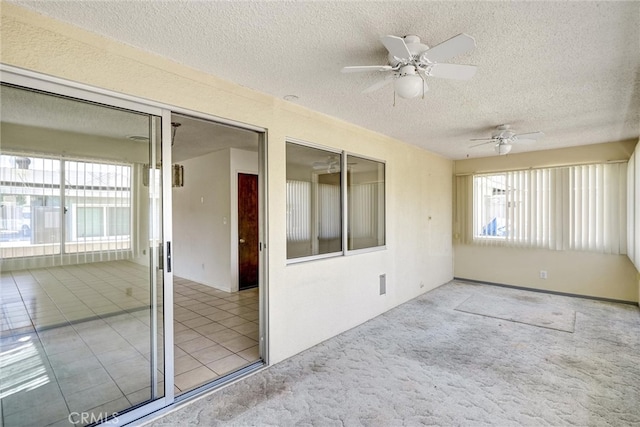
point(81, 299)
point(30, 206)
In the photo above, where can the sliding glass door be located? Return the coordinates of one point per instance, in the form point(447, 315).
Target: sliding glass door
point(81, 298)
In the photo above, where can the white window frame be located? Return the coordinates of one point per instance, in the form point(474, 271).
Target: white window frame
point(344, 212)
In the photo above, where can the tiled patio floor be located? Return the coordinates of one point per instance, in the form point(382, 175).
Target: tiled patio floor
point(78, 339)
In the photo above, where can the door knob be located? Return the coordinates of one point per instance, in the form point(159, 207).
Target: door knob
point(242, 240)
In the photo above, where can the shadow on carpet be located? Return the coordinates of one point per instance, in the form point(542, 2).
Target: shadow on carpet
point(529, 310)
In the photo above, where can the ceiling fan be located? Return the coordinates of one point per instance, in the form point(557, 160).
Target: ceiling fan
point(331, 165)
point(503, 138)
point(410, 61)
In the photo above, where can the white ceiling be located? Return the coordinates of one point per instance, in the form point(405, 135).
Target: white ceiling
point(569, 69)
point(195, 137)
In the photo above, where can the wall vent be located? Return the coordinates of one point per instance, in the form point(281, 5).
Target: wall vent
point(383, 284)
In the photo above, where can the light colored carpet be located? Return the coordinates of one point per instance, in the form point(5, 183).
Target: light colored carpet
point(425, 363)
point(533, 309)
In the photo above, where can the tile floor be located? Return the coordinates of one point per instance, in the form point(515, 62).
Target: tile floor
point(215, 332)
point(77, 339)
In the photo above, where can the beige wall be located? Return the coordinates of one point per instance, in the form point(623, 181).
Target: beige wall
point(201, 218)
point(582, 273)
point(633, 214)
point(547, 158)
point(205, 218)
point(308, 302)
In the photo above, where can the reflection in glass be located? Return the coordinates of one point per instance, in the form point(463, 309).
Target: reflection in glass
point(366, 203)
point(80, 297)
point(29, 206)
point(314, 221)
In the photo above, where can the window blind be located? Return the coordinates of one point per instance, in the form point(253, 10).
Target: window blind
point(329, 211)
point(298, 211)
point(98, 215)
point(569, 208)
point(363, 209)
point(633, 210)
point(63, 207)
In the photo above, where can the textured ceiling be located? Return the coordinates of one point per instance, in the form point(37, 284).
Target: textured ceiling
point(569, 69)
point(195, 137)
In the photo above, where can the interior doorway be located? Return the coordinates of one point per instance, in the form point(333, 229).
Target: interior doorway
point(248, 238)
point(216, 314)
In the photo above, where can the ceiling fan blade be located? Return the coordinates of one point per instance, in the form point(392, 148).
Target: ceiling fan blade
point(361, 68)
point(453, 71)
point(448, 49)
point(396, 46)
point(482, 139)
point(379, 85)
point(482, 143)
point(530, 135)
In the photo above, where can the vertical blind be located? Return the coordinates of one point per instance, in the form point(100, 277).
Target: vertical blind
point(363, 209)
point(30, 209)
point(98, 209)
point(633, 208)
point(57, 206)
point(329, 224)
point(298, 211)
point(565, 208)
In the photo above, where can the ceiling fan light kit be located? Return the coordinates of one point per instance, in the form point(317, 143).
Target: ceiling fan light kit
point(408, 86)
point(503, 149)
point(411, 62)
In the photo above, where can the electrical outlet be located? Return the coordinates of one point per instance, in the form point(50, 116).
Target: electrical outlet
point(543, 274)
point(383, 284)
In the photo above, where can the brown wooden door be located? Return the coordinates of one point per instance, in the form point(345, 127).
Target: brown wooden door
point(247, 231)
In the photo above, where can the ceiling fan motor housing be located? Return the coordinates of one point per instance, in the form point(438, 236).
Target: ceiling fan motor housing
point(503, 133)
point(415, 48)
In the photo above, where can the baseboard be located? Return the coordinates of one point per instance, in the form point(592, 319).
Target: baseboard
point(545, 291)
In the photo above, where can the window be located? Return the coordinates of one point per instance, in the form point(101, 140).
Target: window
point(490, 219)
point(564, 208)
point(315, 207)
point(44, 199)
point(633, 208)
point(366, 201)
point(314, 220)
point(98, 206)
